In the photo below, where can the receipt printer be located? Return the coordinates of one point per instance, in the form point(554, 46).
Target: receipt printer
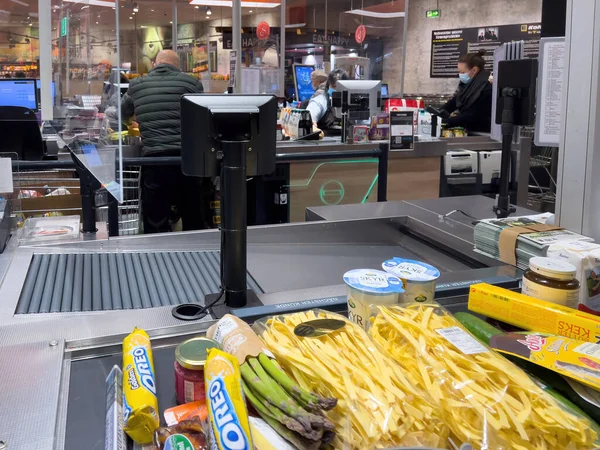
point(458, 162)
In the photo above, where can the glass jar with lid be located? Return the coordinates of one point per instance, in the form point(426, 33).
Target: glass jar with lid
point(552, 280)
point(190, 357)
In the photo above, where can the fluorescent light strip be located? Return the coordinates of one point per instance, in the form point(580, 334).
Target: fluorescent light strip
point(19, 2)
point(91, 2)
point(230, 3)
point(295, 25)
point(378, 15)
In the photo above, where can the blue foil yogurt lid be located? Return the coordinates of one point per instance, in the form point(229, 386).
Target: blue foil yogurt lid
point(411, 270)
point(373, 281)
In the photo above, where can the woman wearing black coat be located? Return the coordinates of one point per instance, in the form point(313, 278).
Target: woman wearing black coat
point(471, 105)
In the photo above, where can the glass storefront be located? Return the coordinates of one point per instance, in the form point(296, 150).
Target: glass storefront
point(70, 63)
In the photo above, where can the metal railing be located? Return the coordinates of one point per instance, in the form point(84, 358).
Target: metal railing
point(381, 152)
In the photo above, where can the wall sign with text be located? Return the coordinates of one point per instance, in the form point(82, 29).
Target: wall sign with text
point(448, 45)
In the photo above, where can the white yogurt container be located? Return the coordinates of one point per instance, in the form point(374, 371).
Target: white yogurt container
point(418, 278)
point(367, 287)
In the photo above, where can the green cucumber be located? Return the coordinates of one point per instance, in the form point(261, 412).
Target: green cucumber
point(479, 328)
point(554, 383)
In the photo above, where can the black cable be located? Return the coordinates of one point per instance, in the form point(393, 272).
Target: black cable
point(193, 311)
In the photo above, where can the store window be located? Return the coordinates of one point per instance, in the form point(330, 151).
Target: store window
point(365, 38)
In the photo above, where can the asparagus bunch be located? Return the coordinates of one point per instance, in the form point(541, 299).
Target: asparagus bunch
point(296, 414)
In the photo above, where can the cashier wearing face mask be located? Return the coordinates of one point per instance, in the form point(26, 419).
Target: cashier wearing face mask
point(471, 105)
point(320, 103)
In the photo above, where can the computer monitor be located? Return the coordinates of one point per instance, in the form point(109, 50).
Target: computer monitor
point(208, 122)
point(358, 97)
point(384, 90)
point(39, 92)
point(19, 92)
point(302, 81)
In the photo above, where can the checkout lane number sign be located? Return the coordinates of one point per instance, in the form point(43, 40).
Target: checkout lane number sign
point(401, 130)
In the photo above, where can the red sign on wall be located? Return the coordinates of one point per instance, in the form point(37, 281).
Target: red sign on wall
point(263, 31)
point(360, 34)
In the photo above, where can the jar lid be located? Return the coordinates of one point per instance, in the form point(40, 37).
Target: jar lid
point(411, 270)
point(552, 268)
point(192, 353)
point(373, 281)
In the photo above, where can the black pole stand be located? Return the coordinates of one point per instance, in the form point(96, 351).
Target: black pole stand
point(503, 208)
point(233, 230)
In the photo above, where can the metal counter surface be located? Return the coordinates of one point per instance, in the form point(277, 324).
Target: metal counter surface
point(477, 206)
point(291, 263)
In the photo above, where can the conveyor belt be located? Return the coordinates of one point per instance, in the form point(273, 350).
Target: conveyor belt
point(79, 282)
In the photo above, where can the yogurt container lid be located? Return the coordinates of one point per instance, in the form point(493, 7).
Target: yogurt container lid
point(373, 281)
point(411, 270)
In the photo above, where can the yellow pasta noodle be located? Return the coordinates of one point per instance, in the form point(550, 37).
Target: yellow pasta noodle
point(484, 398)
point(379, 405)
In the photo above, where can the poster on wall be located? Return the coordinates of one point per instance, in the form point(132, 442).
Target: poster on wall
point(448, 45)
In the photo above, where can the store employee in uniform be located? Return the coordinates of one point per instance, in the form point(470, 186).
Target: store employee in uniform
point(320, 103)
point(471, 105)
point(154, 100)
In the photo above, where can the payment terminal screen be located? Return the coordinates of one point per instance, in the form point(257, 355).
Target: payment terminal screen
point(18, 93)
point(303, 83)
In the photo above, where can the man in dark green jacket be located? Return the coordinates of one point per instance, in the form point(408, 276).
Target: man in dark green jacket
point(154, 100)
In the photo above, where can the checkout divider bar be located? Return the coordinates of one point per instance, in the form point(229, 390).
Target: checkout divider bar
point(381, 152)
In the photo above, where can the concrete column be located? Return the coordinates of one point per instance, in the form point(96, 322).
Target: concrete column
point(578, 190)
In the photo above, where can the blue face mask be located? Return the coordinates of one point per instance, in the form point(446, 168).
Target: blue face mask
point(331, 91)
point(464, 77)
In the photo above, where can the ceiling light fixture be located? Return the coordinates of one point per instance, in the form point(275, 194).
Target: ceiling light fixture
point(96, 23)
point(207, 17)
point(19, 2)
point(377, 15)
point(130, 17)
point(90, 2)
point(196, 7)
point(208, 11)
point(250, 11)
point(135, 7)
point(228, 3)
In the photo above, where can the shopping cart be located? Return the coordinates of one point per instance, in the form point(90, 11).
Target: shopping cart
point(129, 209)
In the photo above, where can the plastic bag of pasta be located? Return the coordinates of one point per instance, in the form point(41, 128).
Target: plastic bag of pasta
point(485, 399)
point(378, 406)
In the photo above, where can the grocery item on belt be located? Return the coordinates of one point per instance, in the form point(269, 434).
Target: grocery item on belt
point(533, 314)
point(139, 401)
point(114, 436)
point(266, 438)
point(569, 357)
point(190, 358)
point(230, 429)
point(367, 287)
point(552, 280)
point(585, 256)
point(186, 435)
point(187, 411)
point(484, 398)
point(379, 405)
point(293, 412)
point(418, 278)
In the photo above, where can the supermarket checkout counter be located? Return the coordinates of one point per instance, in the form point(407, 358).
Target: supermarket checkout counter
point(53, 364)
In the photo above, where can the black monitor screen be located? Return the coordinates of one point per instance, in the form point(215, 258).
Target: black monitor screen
point(18, 93)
